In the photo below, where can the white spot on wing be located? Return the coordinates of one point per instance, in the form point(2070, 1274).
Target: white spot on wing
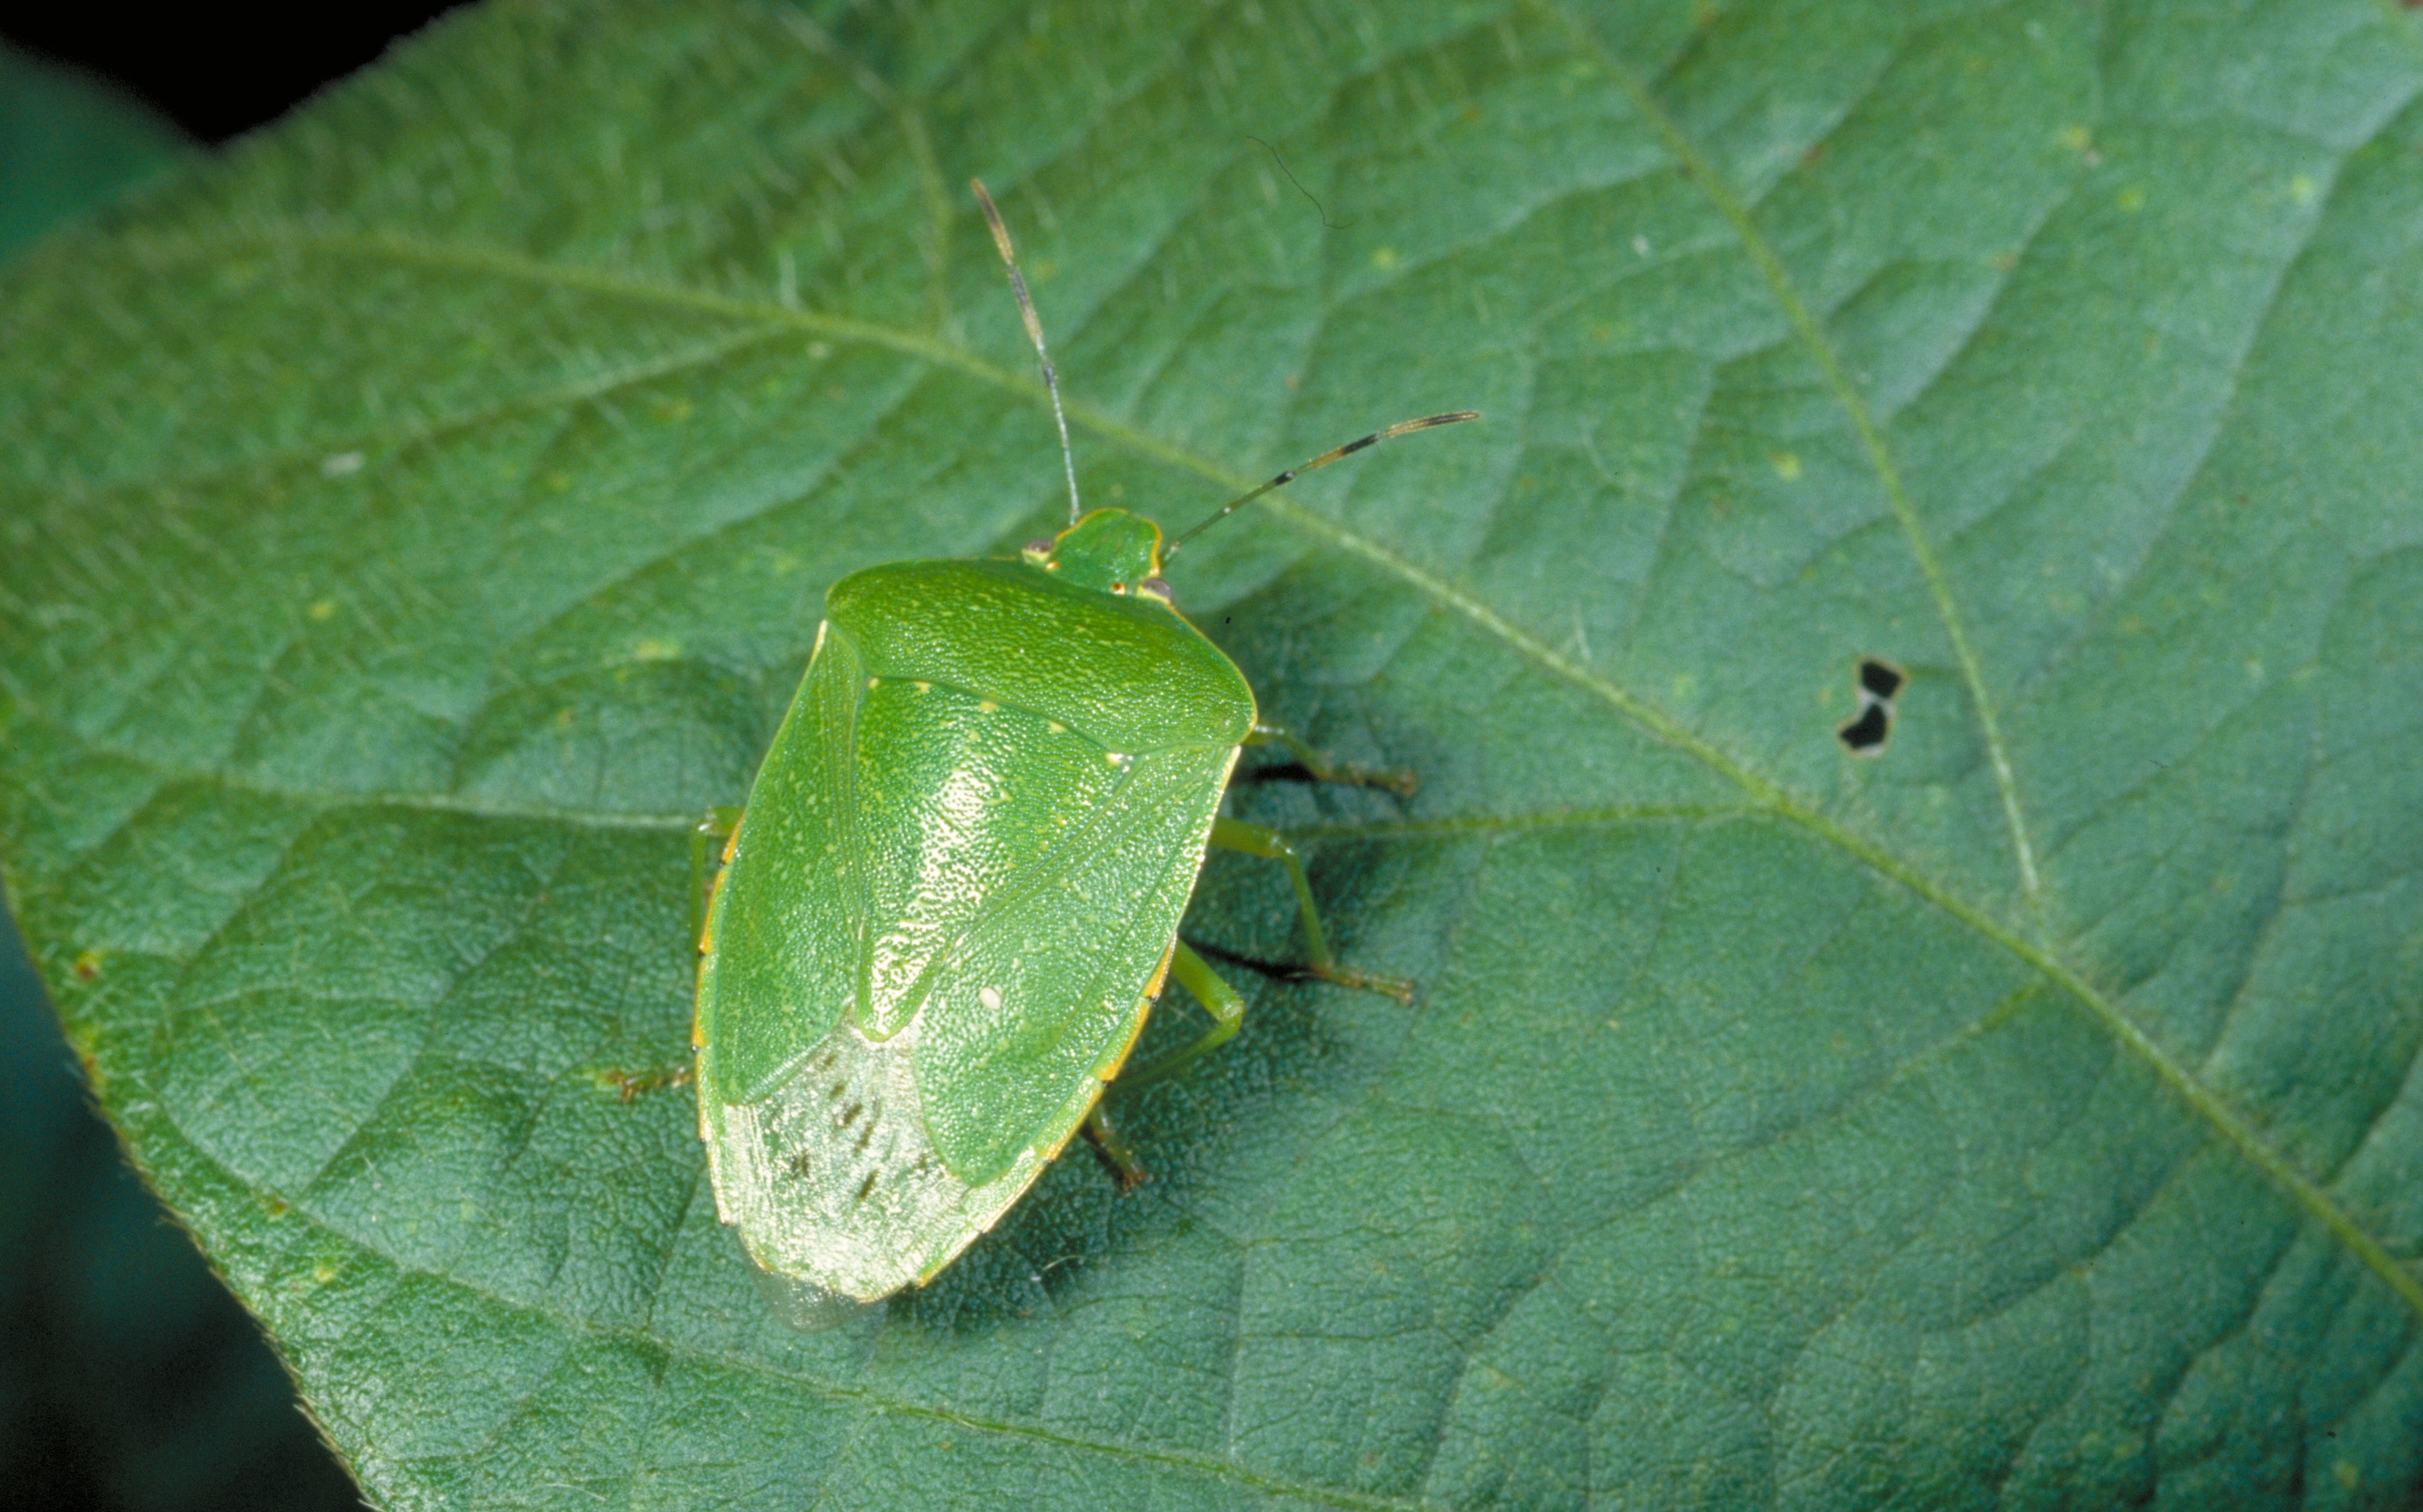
point(832, 1182)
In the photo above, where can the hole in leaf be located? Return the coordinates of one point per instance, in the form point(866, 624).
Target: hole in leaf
point(1866, 735)
point(1874, 682)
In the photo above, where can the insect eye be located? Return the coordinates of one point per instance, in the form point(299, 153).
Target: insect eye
point(1118, 588)
point(1155, 588)
point(1036, 551)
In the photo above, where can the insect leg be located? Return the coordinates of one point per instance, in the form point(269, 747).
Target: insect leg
point(1325, 770)
point(1253, 840)
point(1225, 1003)
point(720, 824)
point(631, 1085)
point(1113, 1150)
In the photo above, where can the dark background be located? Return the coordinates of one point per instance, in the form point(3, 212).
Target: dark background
point(129, 1377)
point(214, 72)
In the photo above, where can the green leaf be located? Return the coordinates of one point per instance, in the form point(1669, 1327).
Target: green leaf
point(130, 1374)
point(416, 517)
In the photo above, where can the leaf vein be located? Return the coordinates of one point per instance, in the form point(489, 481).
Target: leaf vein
point(2207, 1103)
point(1821, 351)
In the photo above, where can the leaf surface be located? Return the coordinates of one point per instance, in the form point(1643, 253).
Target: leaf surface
point(418, 517)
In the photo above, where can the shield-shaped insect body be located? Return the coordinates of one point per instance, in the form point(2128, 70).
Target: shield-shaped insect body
point(951, 901)
point(955, 892)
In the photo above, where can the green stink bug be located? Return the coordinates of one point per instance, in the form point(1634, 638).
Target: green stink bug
point(954, 893)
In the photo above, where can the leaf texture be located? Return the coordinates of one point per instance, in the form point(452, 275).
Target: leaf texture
point(415, 518)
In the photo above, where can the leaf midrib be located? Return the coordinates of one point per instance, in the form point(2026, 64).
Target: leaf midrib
point(2205, 1102)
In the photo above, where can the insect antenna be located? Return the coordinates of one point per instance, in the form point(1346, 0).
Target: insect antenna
point(1400, 428)
point(1034, 334)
